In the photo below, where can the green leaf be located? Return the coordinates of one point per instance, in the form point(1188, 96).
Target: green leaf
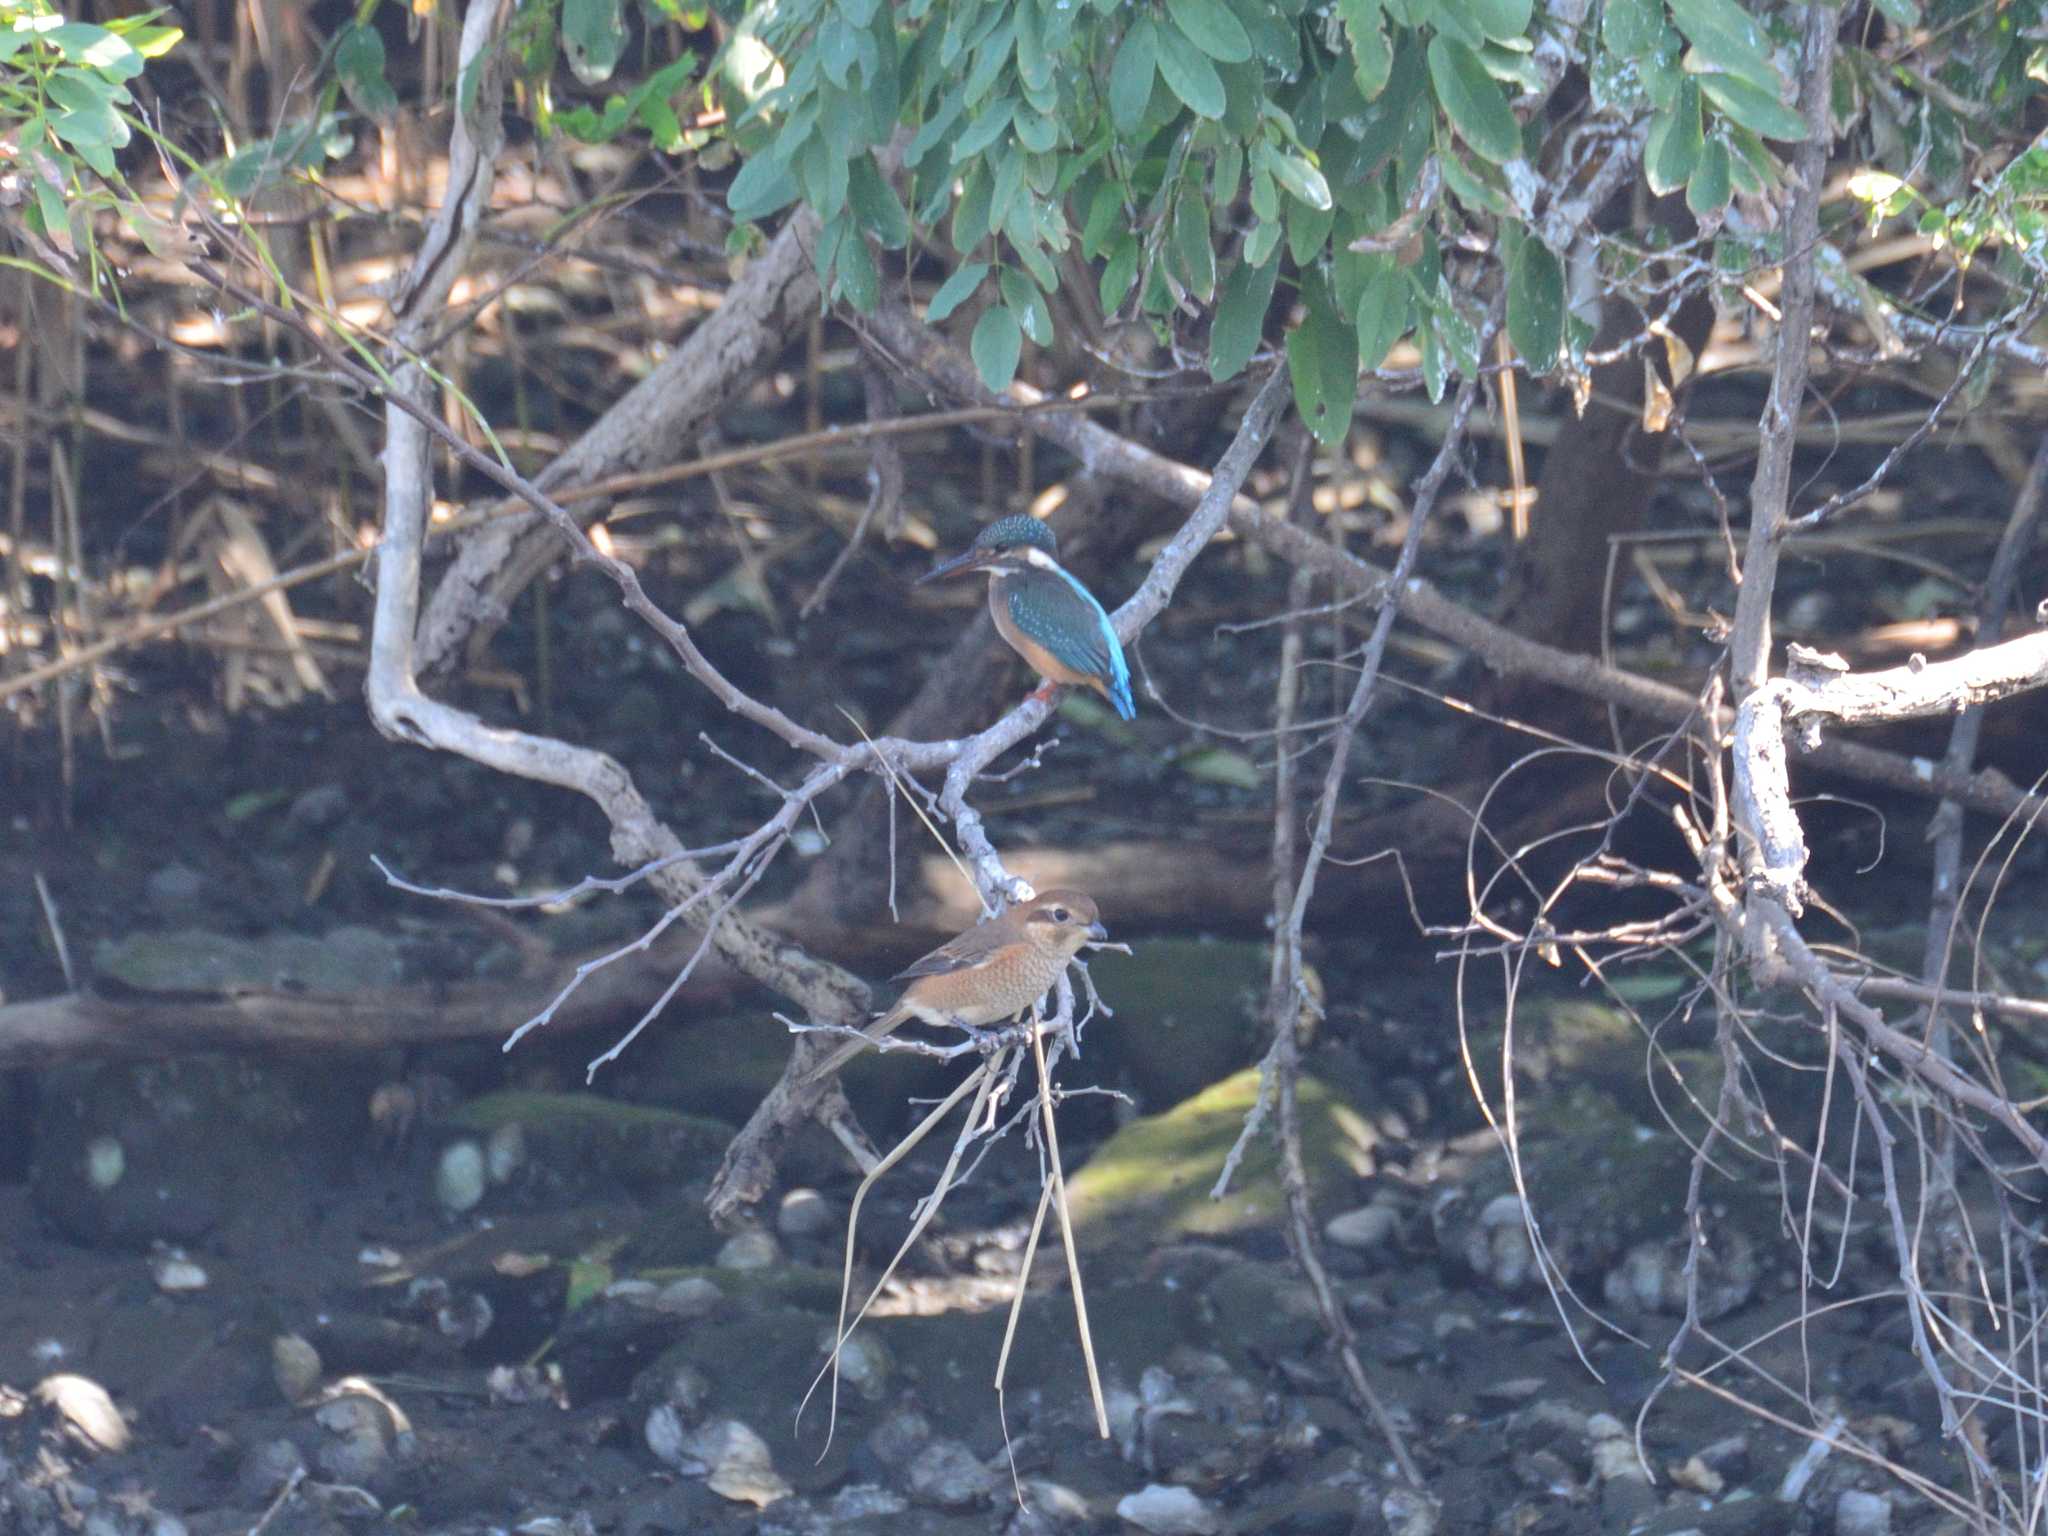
point(1189, 74)
point(935, 128)
point(1194, 254)
point(1727, 38)
point(1761, 112)
point(1265, 191)
point(1118, 273)
point(1501, 20)
point(1130, 75)
point(1535, 304)
point(1904, 13)
point(954, 291)
point(875, 203)
point(1433, 379)
point(1632, 28)
point(1210, 26)
point(94, 47)
point(1264, 239)
point(997, 344)
point(1301, 179)
point(762, 186)
point(1308, 231)
point(1241, 318)
point(859, 282)
point(1372, 61)
point(1385, 306)
point(1672, 148)
point(1470, 188)
point(1024, 300)
point(1037, 132)
point(594, 34)
point(822, 168)
point(1105, 214)
point(985, 130)
point(1709, 189)
point(1471, 100)
point(359, 63)
point(1322, 363)
point(970, 213)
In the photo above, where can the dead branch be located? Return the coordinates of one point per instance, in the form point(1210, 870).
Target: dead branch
point(652, 422)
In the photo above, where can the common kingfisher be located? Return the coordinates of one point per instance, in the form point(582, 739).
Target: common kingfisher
point(992, 972)
point(1048, 617)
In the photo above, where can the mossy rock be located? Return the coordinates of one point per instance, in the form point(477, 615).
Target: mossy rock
point(1150, 1182)
point(574, 1138)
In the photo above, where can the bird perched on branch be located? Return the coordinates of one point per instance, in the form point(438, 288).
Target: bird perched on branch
point(992, 972)
point(1048, 617)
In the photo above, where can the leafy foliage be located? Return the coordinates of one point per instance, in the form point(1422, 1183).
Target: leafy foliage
point(65, 108)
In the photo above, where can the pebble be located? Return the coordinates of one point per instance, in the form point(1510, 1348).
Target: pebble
point(805, 1213)
point(692, 1296)
point(358, 1444)
point(864, 1363)
point(750, 1250)
point(867, 1500)
point(663, 1433)
point(267, 1468)
point(1165, 1509)
point(737, 1463)
point(460, 1177)
point(1497, 1248)
point(901, 1435)
point(505, 1152)
point(948, 1474)
point(318, 808)
point(294, 1366)
point(175, 887)
point(105, 1162)
point(175, 1272)
point(1054, 1503)
point(1410, 1512)
point(1369, 1227)
point(87, 1412)
point(1862, 1514)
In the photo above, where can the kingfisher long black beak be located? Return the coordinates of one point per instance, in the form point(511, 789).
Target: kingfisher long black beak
point(970, 560)
point(1098, 933)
